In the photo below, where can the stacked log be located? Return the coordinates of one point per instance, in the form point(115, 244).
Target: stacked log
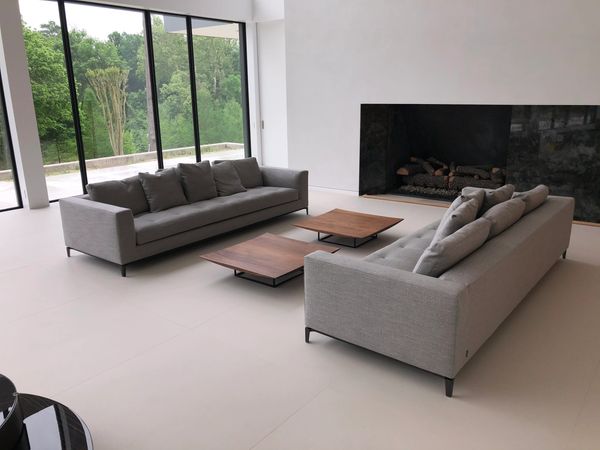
point(431, 173)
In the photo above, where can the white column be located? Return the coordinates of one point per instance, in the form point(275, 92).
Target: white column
point(19, 104)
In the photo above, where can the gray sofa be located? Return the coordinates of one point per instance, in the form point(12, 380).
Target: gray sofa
point(434, 323)
point(114, 234)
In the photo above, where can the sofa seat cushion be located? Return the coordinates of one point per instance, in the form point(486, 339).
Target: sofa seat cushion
point(404, 253)
point(153, 226)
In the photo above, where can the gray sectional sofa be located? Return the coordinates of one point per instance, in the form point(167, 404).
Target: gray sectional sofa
point(436, 323)
point(114, 233)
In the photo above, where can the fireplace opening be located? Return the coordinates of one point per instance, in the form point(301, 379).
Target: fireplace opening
point(433, 151)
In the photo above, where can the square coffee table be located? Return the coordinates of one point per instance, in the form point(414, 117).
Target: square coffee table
point(268, 259)
point(360, 228)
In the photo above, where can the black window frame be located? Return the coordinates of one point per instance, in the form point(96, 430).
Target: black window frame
point(11, 152)
point(147, 13)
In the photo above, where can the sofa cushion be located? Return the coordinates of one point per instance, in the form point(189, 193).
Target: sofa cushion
point(197, 181)
point(504, 214)
point(227, 179)
point(126, 193)
point(533, 198)
point(153, 226)
point(492, 196)
point(163, 189)
point(445, 253)
point(457, 217)
point(248, 171)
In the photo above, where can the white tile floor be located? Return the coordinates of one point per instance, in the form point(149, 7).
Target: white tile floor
point(182, 355)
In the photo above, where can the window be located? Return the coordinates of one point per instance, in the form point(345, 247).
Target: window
point(119, 91)
point(218, 87)
point(10, 196)
point(50, 89)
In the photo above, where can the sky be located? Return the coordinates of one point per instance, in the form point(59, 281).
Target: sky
point(98, 22)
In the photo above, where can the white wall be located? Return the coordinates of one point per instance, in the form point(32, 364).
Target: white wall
point(265, 10)
point(273, 105)
point(341, 53)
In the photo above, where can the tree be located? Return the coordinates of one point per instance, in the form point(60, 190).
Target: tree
point(110, 88)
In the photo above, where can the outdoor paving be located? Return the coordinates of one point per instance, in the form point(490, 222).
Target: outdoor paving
point(68, 184)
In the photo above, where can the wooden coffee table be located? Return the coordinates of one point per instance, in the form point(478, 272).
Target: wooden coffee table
point(268, 259)
point(360, 228)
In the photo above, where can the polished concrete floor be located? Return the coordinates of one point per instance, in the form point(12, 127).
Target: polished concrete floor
point(182, 355)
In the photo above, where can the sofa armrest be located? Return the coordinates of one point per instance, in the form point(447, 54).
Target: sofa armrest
point(289, 178)
point(99, 229)
point(404, 315)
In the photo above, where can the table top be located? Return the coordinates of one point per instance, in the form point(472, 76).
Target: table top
point(352, 224)
point(267, 255)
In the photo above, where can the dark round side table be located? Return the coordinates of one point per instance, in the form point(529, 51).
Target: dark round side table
point(31, 422)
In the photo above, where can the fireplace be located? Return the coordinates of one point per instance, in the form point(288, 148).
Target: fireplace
point(433, 151)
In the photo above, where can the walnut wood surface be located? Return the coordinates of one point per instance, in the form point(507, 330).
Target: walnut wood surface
point(267, 255)
point(340, 222)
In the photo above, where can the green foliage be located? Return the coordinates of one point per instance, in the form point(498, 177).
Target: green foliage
point(217, 78)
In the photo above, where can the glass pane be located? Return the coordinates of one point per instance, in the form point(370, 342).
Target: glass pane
point(109, 62)
point(50, 88)
point(171, 63)
point(219, 88)
point(8, 189)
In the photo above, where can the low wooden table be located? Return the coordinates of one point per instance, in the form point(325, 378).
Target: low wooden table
point(268, 259)
point(359, 227)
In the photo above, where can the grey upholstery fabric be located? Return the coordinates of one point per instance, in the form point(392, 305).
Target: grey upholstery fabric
point(227, 179)
point(197, 181)
point(163, 189)
point(534, 197)
point(437, 324)
point(126, 193)
point(504, 214)
point(492, 196)
point(445, 253)
point(153, 226)
point(455, 219)
point(248, 171)
point(405, 252)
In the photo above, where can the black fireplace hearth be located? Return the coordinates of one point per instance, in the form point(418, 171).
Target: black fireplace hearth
point(433, 151)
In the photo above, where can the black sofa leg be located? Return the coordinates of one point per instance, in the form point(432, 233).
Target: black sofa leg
point(564, 255)
point(449, 382)
point(307, 334)
point(306, 211)
point(123, 270)
point(68, 252)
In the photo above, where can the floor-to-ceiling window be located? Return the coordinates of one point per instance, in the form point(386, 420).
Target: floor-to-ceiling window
point(219, 88)
point(119, 91)
point(10, 197)
point(51, 97)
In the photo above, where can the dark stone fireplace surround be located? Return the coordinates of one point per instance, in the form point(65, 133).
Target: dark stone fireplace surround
point(554, 145)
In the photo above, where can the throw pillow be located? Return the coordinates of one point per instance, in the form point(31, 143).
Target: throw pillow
point(227, 179)
point(504, 214)
point(163, 189)
point(248, 171)
point(197, 180)
point(533, 198)
point(445, 253)
point(493, 196)
point(126, 193)
point(456, 218)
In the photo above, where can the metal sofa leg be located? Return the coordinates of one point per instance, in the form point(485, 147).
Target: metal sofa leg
point(68, 252)
point(564, 255)
point(123, 270)
point(449, 382)
point(307, 334)
point(306, 210)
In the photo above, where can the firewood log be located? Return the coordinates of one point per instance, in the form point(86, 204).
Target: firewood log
point(437, 163)
point(470, 170)
point(428, 167)
point(410, 169)
point(441, 172)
